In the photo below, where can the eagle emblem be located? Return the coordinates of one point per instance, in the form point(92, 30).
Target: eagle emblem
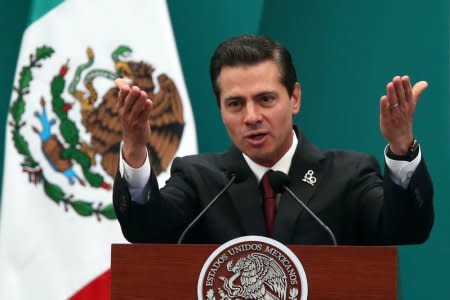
point(166, 119)
point(260, 277)
point(252, 267)
point(77, 125)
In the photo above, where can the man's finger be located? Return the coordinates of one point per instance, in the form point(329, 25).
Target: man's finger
point(124, 89)
point(407, 87)
point(384, 108)
point(122, 83)
point(121, 98)
point(144, 115)
point(391, 96)
point(131, 98)
point(399, 91)
point(418, 89)
point(138, 106)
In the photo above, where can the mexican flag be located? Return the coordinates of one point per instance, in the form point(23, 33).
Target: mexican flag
point(62, 140)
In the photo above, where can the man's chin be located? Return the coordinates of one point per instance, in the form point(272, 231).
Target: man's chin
point(261, 159)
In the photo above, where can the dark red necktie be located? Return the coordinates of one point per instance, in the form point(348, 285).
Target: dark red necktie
point(269, 204)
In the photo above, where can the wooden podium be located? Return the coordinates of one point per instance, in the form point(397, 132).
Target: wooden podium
point(156, 271)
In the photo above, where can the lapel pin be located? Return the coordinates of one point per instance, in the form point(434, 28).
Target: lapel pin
point(309, 177)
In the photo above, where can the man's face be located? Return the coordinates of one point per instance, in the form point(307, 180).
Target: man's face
point(257, 110)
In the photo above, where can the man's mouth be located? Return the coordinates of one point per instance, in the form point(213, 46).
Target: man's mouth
point(256, 138)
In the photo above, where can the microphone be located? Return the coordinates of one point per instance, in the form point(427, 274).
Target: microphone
point(237, 173)
point(279, 182)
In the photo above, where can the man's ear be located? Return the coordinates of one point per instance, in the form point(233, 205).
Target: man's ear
point(296, 98)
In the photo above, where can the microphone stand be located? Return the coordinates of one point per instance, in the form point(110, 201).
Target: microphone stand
point(183, 234)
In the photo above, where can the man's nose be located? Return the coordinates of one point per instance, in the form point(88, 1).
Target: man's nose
point(253, 114)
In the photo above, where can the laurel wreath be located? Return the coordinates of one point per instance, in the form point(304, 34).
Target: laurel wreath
point(70, 134)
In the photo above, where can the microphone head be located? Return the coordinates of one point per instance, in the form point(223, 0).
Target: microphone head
point(239, 171)
point(278, 180)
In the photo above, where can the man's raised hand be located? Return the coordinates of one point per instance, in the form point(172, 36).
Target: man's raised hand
point(134, 107)
point(397, 109)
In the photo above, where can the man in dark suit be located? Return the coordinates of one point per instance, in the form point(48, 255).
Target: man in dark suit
point(258, 94)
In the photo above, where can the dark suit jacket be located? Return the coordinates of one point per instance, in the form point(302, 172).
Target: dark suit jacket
point(350, 196)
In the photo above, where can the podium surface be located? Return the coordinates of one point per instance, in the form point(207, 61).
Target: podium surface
point(161, 271)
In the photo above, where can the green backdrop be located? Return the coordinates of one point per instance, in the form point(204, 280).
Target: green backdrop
point(345, 52)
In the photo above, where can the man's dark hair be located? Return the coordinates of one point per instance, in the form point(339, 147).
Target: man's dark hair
point(245, 50)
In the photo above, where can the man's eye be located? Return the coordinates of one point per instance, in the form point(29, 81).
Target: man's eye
point(233, 104)
point(267, 98)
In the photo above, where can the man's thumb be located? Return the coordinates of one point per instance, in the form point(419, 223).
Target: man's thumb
point(418, 89)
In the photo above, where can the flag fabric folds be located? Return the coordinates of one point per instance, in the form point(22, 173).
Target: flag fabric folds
point(63, 139)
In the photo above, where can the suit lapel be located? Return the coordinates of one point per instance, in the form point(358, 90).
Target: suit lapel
point(245, 195)
point(305, 174)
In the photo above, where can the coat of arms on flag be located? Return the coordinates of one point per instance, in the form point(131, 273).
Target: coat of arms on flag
point(65, 152)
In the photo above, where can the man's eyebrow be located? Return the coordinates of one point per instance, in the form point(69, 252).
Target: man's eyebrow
point(233, 97)
point(265, 93)
point(260, 94)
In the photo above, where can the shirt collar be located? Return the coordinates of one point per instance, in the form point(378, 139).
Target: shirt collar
point(283, 165)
